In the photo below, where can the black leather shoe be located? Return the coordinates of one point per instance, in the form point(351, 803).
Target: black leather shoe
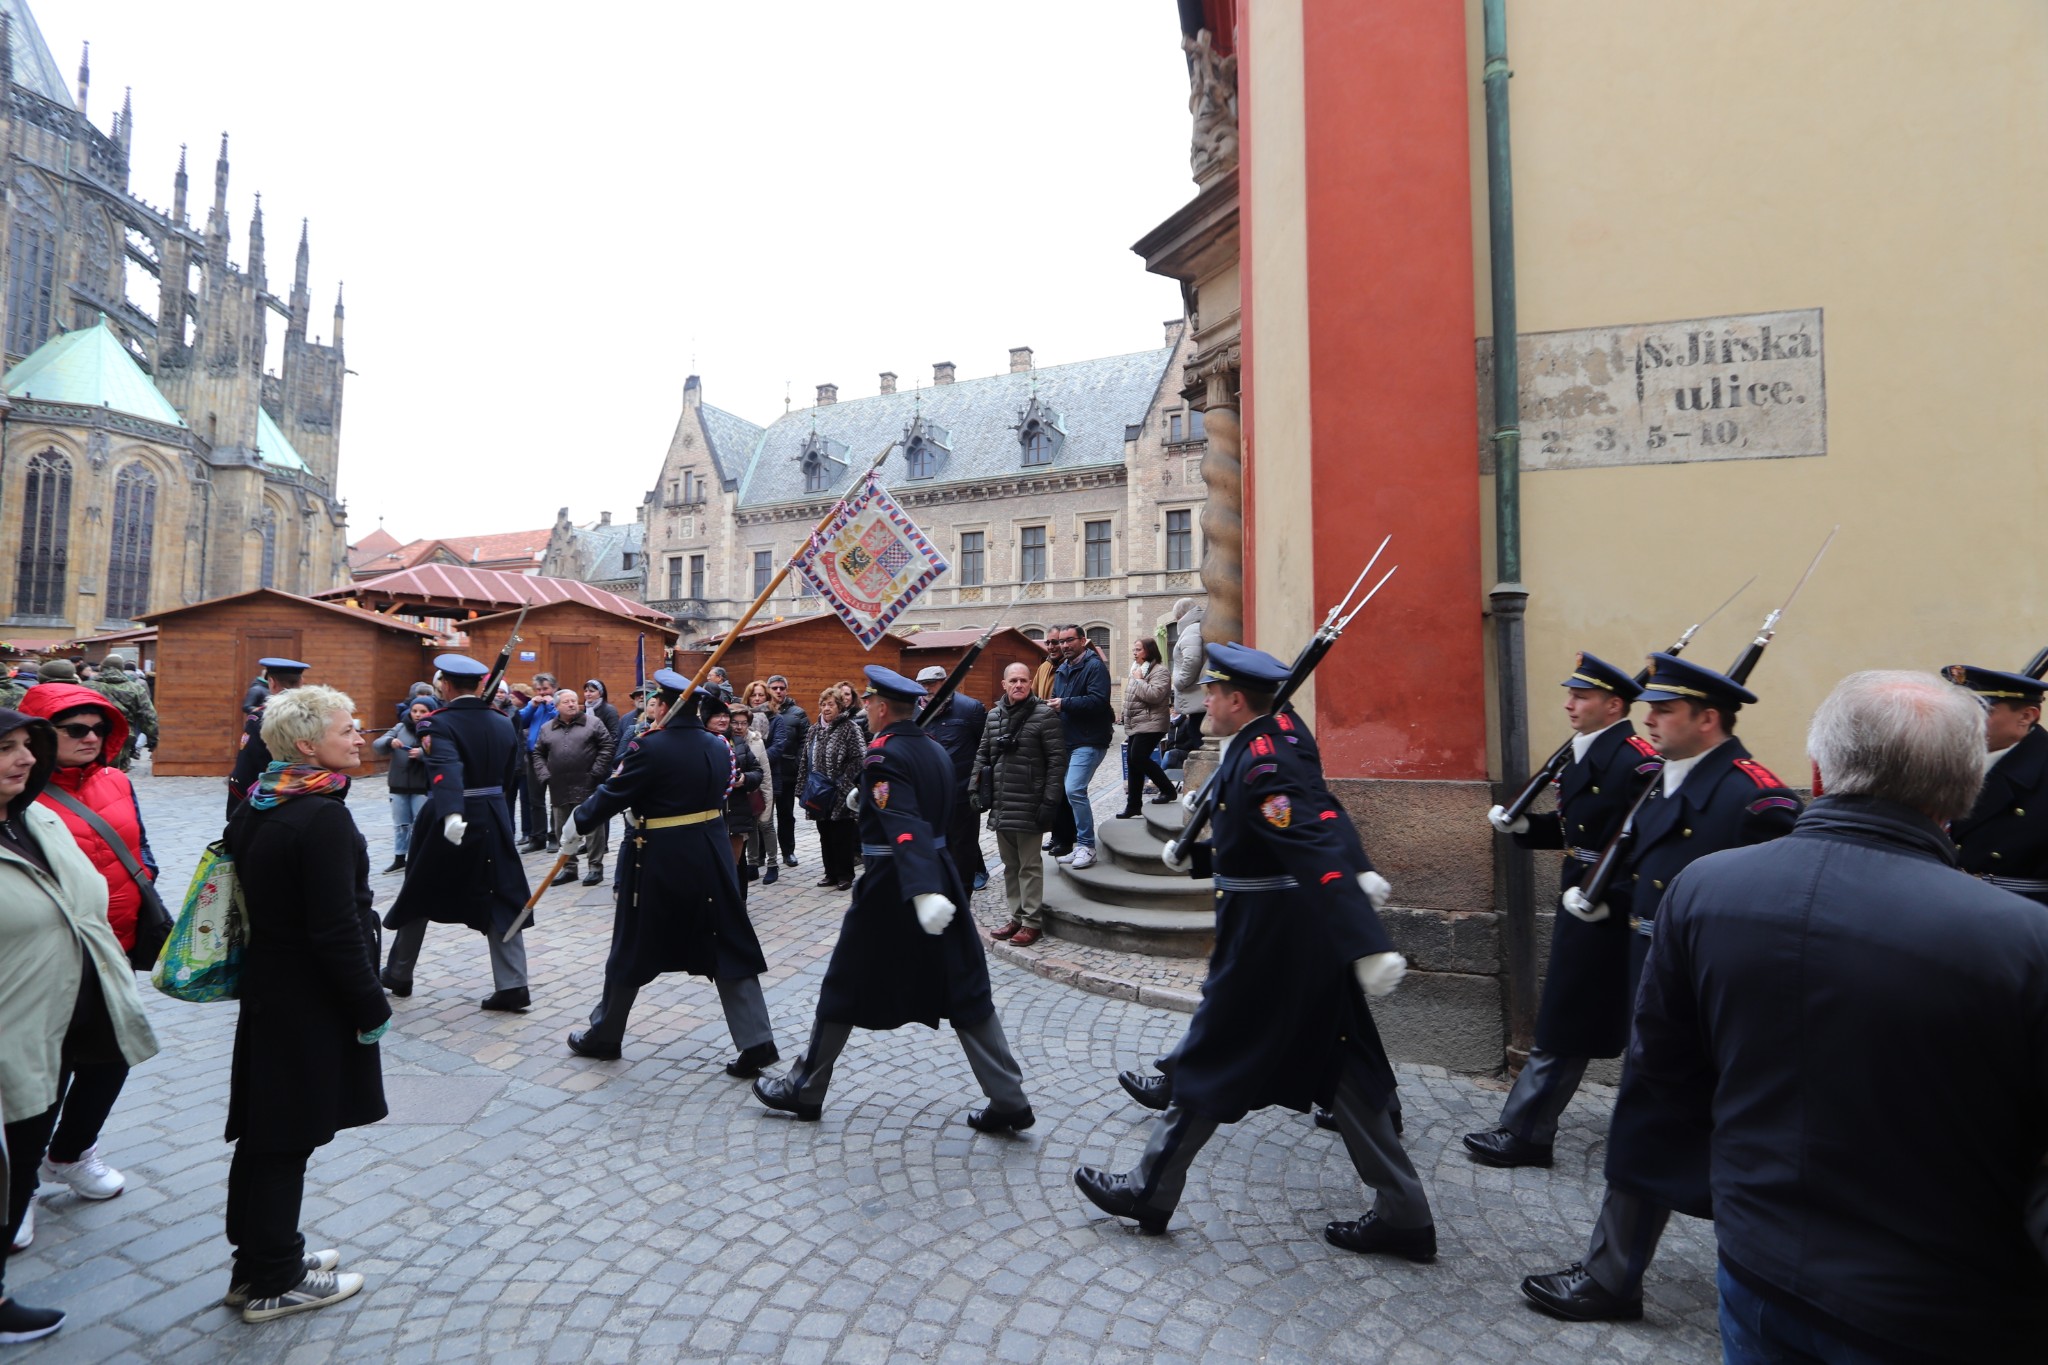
point(565, 876)
point(1327, 1121)
point(533, 846)
point(990, 1121)
point(751, 1060)
point(1499, 1147)
point(594, 877)
point(397, 864)
point(1368, 1236)
point(582, 1045)
point(394, 985)
point(779, 1092)
point(1113, 1194)
point(1574, 1295)
point(1154, 1092)
point(515, 1000)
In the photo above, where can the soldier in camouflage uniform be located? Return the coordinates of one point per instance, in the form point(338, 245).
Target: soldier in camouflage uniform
point(131, 693)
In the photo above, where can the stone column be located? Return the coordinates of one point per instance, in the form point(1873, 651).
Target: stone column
point(1223, 513)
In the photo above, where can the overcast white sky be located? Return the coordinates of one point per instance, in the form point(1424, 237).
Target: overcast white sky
point(543, 212)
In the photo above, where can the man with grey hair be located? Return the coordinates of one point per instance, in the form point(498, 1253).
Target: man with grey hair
point(1842, 1042)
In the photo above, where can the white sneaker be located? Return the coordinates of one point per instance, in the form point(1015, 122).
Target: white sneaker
point(1084, 856)
point(317, 1290)
point(26, 1233)
point(1066, 858)
point(88, 1177)
point(238, 1294)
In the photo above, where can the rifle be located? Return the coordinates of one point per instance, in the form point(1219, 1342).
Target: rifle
point(497, 674)
point(1526, 798)
point(1304, 664)
point(959, 673)
point(1593, 890)
point(704, 669)
point(2037, 667)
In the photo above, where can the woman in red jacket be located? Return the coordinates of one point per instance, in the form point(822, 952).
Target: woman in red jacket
point(90, 731)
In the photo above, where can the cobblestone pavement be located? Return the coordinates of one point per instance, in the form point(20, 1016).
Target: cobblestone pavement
point(522, 1205)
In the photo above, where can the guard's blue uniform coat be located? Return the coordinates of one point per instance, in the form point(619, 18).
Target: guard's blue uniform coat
point(468, 747)
point(250, 760)
point(2005, 835)
point(886, 971)
point(1586, 996)
point(1281, 1011)
point(1728, 800)
point(679, 907)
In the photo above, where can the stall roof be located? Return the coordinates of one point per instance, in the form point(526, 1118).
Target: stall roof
point(450, 587)
point(353, 613)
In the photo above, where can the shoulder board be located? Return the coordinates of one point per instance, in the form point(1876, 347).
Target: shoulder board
point(1284, 721)
point(878, 741)
point(1757, 773)
point(1645, 748)
point(1262, 745)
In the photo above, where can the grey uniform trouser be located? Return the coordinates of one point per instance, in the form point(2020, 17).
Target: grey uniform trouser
point(1541, 1092)
point(1369, 1138)
point(508, 960)
point(746, 1011)
point(1624, 1239)
point(987, 1049)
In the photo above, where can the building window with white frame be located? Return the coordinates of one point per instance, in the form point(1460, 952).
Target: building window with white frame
point(1180, 541)
point(1096, 556)
point(1031, 554)
point(973, 559)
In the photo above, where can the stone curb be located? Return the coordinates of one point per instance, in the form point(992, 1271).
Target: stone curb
point(1088, 978)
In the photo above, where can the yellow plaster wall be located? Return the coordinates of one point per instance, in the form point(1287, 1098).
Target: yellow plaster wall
point(1882, 160)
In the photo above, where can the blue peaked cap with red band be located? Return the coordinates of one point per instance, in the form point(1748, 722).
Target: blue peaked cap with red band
point(1243, 665)
point(1593, 671)
point(1676, 679)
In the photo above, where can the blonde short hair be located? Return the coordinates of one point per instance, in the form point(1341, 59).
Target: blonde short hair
point(301, 713)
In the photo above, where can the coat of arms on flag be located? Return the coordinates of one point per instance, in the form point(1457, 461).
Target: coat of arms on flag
point(870, 562)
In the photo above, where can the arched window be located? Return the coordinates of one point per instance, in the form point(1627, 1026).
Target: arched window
point(42, 572)
point(128, 556)
point(266, 576)
point(1037, 444)
point(31, 262)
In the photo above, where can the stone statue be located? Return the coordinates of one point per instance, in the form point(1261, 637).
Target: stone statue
point(1212, 99)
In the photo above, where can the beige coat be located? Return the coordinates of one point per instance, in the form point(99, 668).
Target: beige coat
point(1148, 700)
point(51, 927)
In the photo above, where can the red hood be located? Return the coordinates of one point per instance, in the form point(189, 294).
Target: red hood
point(52, 699)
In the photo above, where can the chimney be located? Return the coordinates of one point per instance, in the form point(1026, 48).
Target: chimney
point(888, 381)
point(1020, 359)
point(942, 373)
point(827, 394)
point(604, 518)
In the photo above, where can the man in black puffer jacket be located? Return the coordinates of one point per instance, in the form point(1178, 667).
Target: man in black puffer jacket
point(1022, 765)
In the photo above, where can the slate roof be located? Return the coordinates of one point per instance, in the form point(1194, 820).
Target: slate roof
point(1094, 399)
point(606, 546)
point(34, 67)
point(732, 442)
point(91, 368)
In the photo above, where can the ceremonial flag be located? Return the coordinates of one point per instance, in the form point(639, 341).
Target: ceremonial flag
point(870, 562)
point(640, 661)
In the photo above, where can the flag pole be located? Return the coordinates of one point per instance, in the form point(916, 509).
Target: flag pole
point(704, 670)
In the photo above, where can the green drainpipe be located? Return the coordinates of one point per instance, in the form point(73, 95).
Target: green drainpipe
point(1509, 598)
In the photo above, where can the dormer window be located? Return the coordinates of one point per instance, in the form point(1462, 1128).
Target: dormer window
point(925, 448)
point(824, 461)
point(1041, 431)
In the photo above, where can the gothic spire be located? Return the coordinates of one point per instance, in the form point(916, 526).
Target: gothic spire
point(337, 316)
point(84, 75)
point(6, 49)
point(299, 275)
point(256, 243)
point(124, 122)
point(178, 188)
point(220, 178)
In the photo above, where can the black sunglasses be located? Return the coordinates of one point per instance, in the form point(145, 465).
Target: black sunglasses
point(77, 731)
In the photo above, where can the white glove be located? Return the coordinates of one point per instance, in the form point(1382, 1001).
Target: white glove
point(1498, 818)
point(1376, 889)
point(453, 828)
point(1575, 902)
point(1379, 974)
point(1188, 799)
point(853, 799)
point(1173, 856)
point(572, 842)
point(934, 911)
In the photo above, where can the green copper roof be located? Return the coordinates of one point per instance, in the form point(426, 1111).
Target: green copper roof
point(271, 446)
point(92, 369)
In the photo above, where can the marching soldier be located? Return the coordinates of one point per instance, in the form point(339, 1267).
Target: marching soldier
point(905, 954)
point(129, 692)
point(1586, 998)
point(2004, 839)
point(279, 675)
point(463, 867)
point(1299, 947)
point(1710, 795)
point(679, 907)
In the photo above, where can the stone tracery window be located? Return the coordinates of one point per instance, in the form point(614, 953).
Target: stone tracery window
point(266, 575)
point(31, 263)
point(129, 554)
point(43, 570)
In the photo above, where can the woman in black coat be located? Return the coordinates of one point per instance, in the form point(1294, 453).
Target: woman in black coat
point(306, 1062)
point(746, 787)
point(833, 750)
point(597, 699)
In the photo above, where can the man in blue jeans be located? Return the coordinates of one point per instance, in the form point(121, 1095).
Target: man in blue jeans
point(1080, 693)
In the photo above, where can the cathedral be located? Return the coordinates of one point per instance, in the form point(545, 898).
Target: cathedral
point(147, 458)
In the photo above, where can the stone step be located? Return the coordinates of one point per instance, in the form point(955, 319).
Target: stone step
point(1131, 844)
point(1164, 821)
point(1179, 923)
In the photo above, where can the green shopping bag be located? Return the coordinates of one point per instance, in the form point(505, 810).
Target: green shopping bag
point(202, 959)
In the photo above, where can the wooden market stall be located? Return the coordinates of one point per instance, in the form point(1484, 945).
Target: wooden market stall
point(575, 641)
point(206, 658)
point(137, 648)
point(813, 652)
point(947, 647)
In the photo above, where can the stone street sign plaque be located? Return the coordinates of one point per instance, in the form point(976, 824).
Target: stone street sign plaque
point(1731, 388)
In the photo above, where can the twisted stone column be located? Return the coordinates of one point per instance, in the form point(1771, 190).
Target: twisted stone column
point(1223, 513)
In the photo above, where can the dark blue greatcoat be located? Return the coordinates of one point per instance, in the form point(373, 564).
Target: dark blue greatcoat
point(2005, 835)
point(679, 907)
point(886, 971)
point(1586, 995)
point(250, 759)
point(1281, 1012)
point(473, 760)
